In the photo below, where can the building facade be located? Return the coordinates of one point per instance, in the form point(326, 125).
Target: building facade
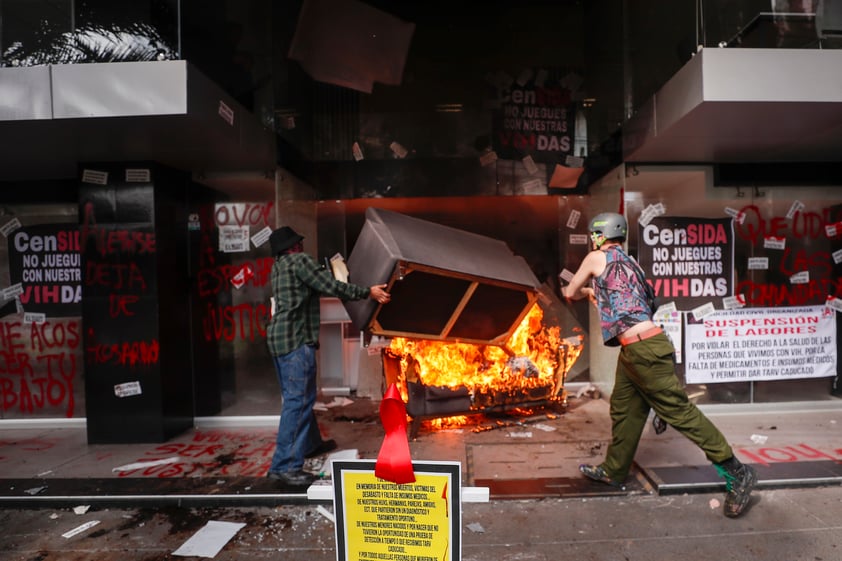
point(151, 146)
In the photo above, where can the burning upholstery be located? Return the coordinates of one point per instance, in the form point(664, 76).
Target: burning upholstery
point(466, 321)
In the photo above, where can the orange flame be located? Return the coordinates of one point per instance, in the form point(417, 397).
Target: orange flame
point(534, 357)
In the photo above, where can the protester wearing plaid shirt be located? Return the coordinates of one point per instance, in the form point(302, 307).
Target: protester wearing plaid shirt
point(292, 337)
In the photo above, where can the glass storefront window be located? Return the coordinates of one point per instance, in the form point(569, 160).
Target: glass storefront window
point(41, 351)
point(781, 261)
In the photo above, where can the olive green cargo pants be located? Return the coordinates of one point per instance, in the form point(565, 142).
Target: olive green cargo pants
point(645, 379)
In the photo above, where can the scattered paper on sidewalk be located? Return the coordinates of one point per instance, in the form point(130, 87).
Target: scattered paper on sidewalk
point(526, 434)
point(326, 513)
point(209, 540)
point(350, 454)
point(339, 401)
point(81, 509)
point(759, 438)
point(476, 527)
point(139, 465)
point(80, 529)
point(589, 389)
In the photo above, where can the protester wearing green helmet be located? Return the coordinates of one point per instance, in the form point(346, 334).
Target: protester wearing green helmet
point(645, 378)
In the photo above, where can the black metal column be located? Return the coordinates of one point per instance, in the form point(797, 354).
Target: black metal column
point(135, 313)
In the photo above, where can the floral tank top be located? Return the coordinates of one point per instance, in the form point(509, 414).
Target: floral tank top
point(620, 295)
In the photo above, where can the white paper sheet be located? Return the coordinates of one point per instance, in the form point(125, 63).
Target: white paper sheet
point(209, 540)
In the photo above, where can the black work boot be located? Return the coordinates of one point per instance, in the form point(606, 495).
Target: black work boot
point(740, 479)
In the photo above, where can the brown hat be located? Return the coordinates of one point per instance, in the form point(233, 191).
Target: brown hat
point(283, 238)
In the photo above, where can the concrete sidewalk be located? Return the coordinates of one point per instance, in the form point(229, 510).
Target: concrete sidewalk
point(782, 525)
point(54, 485)
point(222, 461)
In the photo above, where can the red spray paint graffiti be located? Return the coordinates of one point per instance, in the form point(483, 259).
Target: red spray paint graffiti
point(126, 353)
point(802, 226)
point(213, 280)
point(243, 214)
point(788, 454)
point(213, 452)
point(38, 366)
point(243, 321)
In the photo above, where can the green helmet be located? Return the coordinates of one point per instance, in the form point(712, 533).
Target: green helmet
point(609, 224)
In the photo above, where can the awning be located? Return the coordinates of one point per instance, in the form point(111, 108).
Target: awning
point(743, 105)
point(53, 117)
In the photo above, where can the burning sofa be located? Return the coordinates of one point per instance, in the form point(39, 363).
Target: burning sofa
point(465, 321)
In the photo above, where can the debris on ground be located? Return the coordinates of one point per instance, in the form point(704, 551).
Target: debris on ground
point(80, 529)
point(590, 390)
point(476, 527)
point(146, 464)
point(326, 513)
point(209, 540)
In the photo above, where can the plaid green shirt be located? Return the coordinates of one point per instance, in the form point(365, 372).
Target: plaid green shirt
point(297, 283)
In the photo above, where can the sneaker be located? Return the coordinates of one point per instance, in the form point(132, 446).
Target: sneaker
point(323, 448)
point(292, 478)
point(598, 474)
point(738, 485)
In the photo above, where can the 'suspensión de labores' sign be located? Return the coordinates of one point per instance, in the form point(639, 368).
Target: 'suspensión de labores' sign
point(754, 344)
